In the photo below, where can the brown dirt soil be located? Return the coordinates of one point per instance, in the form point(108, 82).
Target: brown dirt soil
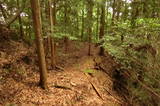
point(70, 87)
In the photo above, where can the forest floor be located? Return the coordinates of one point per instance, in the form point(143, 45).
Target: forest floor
point(68, 86)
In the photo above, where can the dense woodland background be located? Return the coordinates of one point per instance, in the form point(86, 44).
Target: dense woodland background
point(126, 30)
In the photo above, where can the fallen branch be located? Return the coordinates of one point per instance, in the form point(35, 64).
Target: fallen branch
point(60, 68)
point(94, 87)
point(119, 101)
point(62, 87)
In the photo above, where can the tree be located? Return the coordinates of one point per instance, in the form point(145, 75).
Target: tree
point(20, 21)
point(82, 25)
point(98, 16)
point(89, 15)
point(114, 11)
point(39, 42)
point(52, 22)
point(102, 24)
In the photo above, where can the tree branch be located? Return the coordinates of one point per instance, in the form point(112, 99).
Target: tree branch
point(13, 18)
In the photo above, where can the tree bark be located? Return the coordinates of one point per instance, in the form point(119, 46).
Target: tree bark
point(118, 9)
point(125, 12)
point(66, 40)
point(102, 24)
point(114, 11)
point(89, 13)
point(39, 42)
point(82, 27)
point(134, 13)
point(20, 22)
point(53, 62)
point(97, 28)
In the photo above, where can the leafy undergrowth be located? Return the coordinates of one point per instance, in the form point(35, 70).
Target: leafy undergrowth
point(137, 51)
point(79, 83)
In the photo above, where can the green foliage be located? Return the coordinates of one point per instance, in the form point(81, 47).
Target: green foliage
point(134, 55)
point(89, 71)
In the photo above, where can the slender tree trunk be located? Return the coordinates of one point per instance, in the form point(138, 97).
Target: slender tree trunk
point(29, 25)
point(134, 13)
point(114, 11)
point(125, 12)
point(54, 12)
point(77, 25)
point(39, 42)
point(54, 25)
point(82, 27)
point(158, 10)
point(20, 22)
point(66, 40)
point(118, 9)
point(52, 39)
point(102, 24)
point(97, 28)
point(90, 12)
point(47, 17)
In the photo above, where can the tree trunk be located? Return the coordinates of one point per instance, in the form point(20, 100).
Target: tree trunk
point(77, 27)
point(125, 12)
point(114, 11)
point(97, 28)
point(89, 13)
point(52, 39)
point(20, 22)
point(118, 9)
point(39, 42)
point(66, 40)
point(102, 24)
point(82, 27)
point(134, 13)
point(54, 24)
